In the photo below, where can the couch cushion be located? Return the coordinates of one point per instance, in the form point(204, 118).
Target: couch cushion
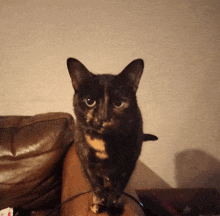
point(32, 149)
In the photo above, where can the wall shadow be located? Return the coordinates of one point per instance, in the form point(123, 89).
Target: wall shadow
point(143, 178)
point(197, 169)
point(198, 184)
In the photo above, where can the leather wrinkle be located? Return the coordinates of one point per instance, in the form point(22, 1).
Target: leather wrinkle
point(33, 165)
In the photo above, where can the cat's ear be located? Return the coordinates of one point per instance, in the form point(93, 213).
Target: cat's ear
point(78, 72)
point(133, 73)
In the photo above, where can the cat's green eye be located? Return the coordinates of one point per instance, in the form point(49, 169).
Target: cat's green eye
point(90, 102)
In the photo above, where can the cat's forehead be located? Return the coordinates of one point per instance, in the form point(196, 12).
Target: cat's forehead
point(105, 79)
point(101, 82)
point(104, 84)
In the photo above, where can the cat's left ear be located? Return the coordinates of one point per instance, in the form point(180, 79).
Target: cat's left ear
point(133, 73)
point(78, 72)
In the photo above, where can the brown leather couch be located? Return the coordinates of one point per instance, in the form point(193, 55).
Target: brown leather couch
point(36, 174)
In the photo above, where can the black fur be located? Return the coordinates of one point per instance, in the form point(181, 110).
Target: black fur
point(107, 112)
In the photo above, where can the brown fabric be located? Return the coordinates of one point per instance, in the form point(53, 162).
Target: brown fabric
point(31, 155)
point(74, 183)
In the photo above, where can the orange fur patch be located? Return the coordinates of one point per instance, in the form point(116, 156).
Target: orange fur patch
point(97, 144)
point(95, 208)
point(102, 155)
point(89, 116)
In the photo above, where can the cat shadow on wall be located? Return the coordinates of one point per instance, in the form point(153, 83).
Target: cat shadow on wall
point(197, 169)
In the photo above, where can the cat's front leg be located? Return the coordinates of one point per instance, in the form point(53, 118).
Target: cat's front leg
point(107, 196)
point(99, 200)
point(114, 202)
point(107, 201)
point(98, 204)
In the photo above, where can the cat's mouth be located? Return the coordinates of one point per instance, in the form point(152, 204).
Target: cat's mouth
point(90, 130)
point(99, 130)
point(103, 130)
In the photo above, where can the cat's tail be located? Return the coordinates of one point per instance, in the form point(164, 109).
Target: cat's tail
point(149, 137)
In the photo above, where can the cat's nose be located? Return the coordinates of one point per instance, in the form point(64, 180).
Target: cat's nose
point(98, 123)
point(104, 113)
point(105, 118)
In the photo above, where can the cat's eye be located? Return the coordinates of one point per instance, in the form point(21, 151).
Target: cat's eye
point(90, 102)
point(118, 103)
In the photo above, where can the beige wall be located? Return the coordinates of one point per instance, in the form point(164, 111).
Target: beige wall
point(179, 91)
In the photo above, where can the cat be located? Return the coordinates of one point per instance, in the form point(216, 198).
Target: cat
point(108, 134)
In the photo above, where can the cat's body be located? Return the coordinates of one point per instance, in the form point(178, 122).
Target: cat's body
point(108, 133)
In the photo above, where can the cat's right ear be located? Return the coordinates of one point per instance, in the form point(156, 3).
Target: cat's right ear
point(133, 72)
point(78, 72)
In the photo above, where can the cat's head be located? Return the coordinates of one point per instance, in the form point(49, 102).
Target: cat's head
point(103, 103)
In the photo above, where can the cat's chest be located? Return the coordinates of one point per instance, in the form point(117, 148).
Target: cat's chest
point(98, 145)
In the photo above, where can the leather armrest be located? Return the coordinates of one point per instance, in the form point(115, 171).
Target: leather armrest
point(32, 149)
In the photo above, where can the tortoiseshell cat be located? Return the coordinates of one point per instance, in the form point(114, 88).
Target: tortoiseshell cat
point(108, 133)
